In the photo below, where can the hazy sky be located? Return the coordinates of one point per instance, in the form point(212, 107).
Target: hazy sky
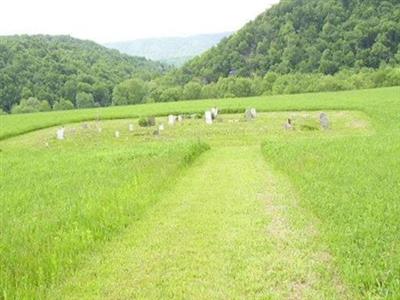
point(117, 20)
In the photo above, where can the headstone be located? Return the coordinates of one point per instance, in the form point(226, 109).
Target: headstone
point(253, 113)
point(248, 115)
point(85, 126)
point(171, 119)
point(117, 134)
point(324, 121)
point(151, 121)
point(288, 125)
point(61, 134)
point(180, 118)
point(130, 127)
point(99, 129)
point(161, 127)
point(47, 144)
point(208, 117)
point(214, 113)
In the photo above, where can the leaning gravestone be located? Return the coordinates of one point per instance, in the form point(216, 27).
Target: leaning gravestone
point(324, 121)
point(171, 119)
point(61, 134)
point(117, 135)
point(208, 117)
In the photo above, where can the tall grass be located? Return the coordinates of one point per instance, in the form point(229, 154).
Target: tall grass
point(353, 185)
point(59, 203)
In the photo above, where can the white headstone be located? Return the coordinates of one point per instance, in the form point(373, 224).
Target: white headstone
point(253, 113)
point(99, 129)
point(60, 134)
point(130, 127)
point(208, 117)
point(117, 134)
point(161, 127)
point(171, 119)
point(180, 118)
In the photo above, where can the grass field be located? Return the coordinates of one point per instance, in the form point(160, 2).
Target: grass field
point(305, 214)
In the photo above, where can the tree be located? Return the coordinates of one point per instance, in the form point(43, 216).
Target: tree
point(192, 90)
point(63, 104)
point(171, 94)
point(101, 94)
point(84, 100)
point(131, 91)
point(30, 105)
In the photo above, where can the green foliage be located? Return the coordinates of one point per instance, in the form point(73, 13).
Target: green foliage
point(294, 36)
point(63, 104)
point(192, 91)
point(171, 94)
point(84, 100)
point(132, 91)
point(55, 67)
point(30, 105)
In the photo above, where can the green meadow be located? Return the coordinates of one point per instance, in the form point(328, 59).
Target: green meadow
point(238, 209)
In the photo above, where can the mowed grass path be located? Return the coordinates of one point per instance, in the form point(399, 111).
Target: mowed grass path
point(222, 232)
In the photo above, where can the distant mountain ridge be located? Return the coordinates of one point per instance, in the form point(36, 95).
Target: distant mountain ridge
point(172, 50)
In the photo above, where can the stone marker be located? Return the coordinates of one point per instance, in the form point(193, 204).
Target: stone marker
point(208, 117)
point(130, 127)
point(85, 126)
point(61, 134)
point(253, 113)
point(161, 127)
point(180, 118)
point(171, 119)
point(117, 135)
point(151, 121)
point(99, 129)
point(288, 125)
point(248, 115)
point(324, 121)
point(214, 113)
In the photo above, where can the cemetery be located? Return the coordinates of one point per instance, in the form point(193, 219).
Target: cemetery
point(125, 189)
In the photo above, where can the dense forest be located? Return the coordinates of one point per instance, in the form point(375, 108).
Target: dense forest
point(305, 36)
point(61, 71)
point(296, 46)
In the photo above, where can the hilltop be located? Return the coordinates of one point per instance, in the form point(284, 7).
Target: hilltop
point(54, 67)
point(324, 36)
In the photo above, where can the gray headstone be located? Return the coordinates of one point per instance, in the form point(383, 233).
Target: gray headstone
point(324, 121)
point(288, 125)
point(151, 121)
point(249, 114)
point(214, 113)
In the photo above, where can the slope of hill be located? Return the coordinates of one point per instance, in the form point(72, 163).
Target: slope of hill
point(54, 67)
point(323, 36)
point(172, 50)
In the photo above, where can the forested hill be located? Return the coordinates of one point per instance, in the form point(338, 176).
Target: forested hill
point(306, 36)
point(60, 67)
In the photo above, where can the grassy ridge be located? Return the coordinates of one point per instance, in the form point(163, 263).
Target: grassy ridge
point(352, 185)
point(12, 125)
point(60, 202)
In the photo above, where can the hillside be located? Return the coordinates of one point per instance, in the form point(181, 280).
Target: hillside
point(171, 50)
point(54, 67)
point(323, 36)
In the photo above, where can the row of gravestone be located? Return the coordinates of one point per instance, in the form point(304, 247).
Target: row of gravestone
point(323, 121)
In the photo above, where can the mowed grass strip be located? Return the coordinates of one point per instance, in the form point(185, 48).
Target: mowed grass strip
point(215, 235)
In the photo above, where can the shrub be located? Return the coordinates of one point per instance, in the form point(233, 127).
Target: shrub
point(63, 104)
